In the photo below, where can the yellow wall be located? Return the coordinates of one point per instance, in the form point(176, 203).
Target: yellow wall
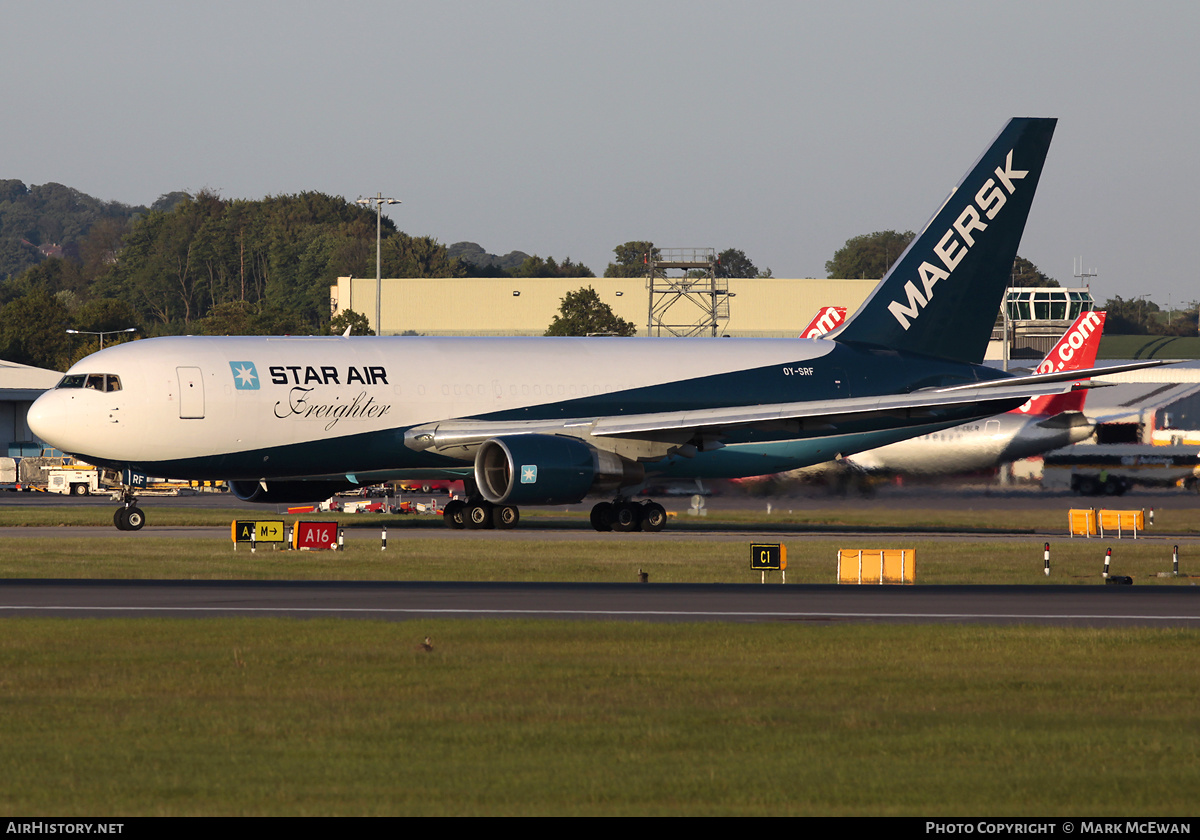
point(772, 307)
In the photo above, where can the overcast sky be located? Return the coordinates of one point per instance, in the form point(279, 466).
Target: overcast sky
point(563, 129)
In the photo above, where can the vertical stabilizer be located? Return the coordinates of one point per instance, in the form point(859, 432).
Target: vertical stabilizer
point(942, 296)
point(825, 320)
point(1076, 350)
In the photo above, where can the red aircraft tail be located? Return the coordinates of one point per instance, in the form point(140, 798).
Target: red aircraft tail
point(1076, 350)
point(827, 318)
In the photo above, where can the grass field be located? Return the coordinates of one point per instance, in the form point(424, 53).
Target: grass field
point(314, 717)
point(425, 557)
point(1149, 347)
point(1179, 517)
point(262, 717)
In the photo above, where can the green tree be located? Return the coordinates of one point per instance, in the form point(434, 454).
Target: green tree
point(105, 314)
point(1026, 274)
point(277, 256)
point(417, 256)
point(161, 270)
point(476, 262)
point(359, 324)
point(631, 259)
point(733, 262)
point(583, 313)
point(52, 276)
point(16, 256)
point(235, 317)
point(872, 254)
point(167, 201)
point(535, 266)
point(50, 214)
point(1129, 317)
point(240, 317)
point(869, 255)
point(33, 331)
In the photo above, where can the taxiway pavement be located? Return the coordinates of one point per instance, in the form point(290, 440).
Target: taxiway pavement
point(1109, 606)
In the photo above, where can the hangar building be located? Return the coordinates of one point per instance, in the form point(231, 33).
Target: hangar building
point(760, 307)
point(20, 385)
point(754, 307)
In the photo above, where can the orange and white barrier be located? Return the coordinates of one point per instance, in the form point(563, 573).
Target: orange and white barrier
point(1122, 521)
point(856, 565)
point(1082, 522)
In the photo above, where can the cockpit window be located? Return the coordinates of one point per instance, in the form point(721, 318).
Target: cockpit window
point(95, 381)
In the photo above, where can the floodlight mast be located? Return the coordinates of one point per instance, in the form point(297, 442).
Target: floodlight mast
point(378, 200)
point(102, 333)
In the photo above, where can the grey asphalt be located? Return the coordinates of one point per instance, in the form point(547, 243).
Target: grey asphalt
point(1108, 606)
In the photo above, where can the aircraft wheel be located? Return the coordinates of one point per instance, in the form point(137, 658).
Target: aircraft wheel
point(454, 512)
point(478, 515)
point(627, 516)
point(506, 516)
point(134, 519)
point(119, 519)
point(602, 516)
point(654, 517)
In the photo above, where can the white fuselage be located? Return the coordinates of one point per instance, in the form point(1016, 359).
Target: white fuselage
point(978, 445)
point(196, 397)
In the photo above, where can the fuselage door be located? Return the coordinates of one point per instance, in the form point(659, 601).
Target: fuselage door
point(191, 393)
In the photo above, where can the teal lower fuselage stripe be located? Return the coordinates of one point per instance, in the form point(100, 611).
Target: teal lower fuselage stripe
point(848, 372)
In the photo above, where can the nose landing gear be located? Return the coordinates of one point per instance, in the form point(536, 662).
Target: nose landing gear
point(129, 517)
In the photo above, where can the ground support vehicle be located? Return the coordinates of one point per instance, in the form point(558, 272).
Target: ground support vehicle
point(1114, 469)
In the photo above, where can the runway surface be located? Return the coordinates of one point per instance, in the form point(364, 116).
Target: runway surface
point(1109, 606)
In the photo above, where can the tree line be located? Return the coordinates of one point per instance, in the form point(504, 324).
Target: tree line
point(203, 264)
point(872, 254)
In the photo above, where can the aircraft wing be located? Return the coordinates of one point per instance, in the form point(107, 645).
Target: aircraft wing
point(796, 417)
point(931, 404)
point(1058, 376)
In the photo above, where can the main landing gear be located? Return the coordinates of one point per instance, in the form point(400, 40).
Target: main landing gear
point(129, 517)
point(479, 513)
point(619, 515)
point(624, 515)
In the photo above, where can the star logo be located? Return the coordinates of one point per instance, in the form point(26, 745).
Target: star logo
point(529, 474)
point(245, 376)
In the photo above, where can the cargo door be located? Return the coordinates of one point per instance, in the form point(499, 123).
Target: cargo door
point(191, 393)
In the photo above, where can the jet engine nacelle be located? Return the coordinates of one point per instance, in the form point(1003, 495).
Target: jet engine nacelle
point(285, 492)
point(548, 470)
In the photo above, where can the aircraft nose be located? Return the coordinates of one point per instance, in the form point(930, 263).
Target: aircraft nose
point(49, 420)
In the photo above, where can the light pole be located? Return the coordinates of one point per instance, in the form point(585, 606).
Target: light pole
point(101, 333)
point(378, 200)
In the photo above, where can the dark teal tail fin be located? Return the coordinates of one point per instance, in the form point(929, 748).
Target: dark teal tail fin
point(942, 296)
